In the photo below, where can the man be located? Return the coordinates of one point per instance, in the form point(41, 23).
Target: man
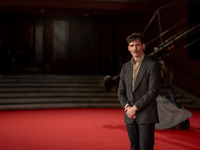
point(139, 85)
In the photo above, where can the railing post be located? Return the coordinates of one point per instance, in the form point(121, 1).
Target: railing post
point(160, 28)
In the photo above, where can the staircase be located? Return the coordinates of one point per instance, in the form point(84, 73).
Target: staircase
point(37, 91)
point(185, 99)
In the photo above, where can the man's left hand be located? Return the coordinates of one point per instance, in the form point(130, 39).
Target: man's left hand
point(131, 112)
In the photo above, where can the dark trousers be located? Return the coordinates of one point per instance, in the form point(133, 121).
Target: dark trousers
point(141, 136)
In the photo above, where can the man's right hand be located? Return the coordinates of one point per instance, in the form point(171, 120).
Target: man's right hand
point(131, 112)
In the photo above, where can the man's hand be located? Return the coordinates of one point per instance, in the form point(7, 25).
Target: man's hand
point(131, 111)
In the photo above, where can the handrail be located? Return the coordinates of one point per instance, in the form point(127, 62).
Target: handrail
point(173, 4)
point(173, 40)
point(178, 37)
point(186, 69)
point(166, 31)
point(182, 31)
point(191, 43)
point(186, 46)
point(157, 11)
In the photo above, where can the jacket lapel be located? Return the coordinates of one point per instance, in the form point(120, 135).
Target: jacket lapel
point(143, 68)
point(130, 75)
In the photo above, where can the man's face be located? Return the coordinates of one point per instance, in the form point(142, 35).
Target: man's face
point(136, 48)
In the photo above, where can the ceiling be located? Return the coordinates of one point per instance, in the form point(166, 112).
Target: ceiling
point(73, 8)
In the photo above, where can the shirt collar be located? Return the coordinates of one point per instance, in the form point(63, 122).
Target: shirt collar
point(139, 60)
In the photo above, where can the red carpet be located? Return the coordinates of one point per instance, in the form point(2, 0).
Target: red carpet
point(84, 129)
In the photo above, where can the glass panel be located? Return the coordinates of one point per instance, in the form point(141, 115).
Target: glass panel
point(39, 41)
point(60, 39)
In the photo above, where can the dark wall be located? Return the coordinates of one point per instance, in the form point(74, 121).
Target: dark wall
point(96, 44)
point(184, 71)
point(73, 45)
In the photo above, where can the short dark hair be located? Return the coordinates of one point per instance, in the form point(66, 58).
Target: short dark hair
point(135, 36)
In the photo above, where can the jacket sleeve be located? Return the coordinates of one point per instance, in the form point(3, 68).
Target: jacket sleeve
point(154, 84)
point(122, 89)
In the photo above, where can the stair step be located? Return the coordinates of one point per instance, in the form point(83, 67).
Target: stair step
point(54, 91)
point(181, 101)
point(59, 106)
point(42, 94)
point(49, 85)
point(58, 100)
point(50, 89)
point(94, 81)
point(49, 76)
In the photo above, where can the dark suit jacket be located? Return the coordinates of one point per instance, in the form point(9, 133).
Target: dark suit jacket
point(146, 89)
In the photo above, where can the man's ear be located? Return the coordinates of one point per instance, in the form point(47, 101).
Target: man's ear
point(128, 48)
point(143, 45)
